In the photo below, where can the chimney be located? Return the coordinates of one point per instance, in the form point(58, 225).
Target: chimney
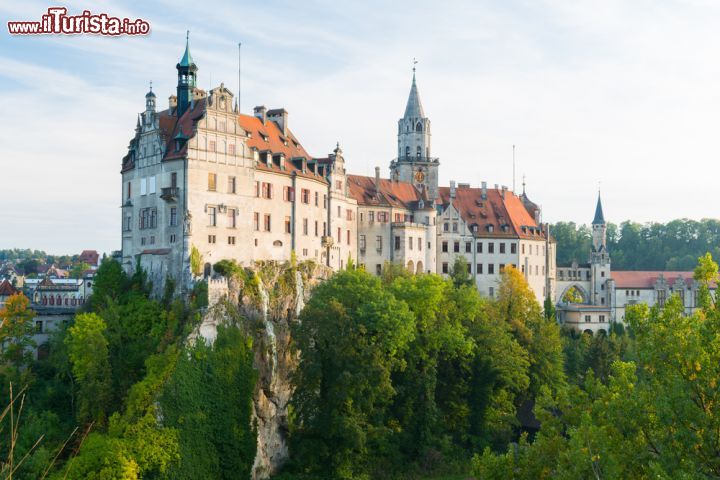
point(452, 189)
point(502, 192)
point(377, 179)
point(484, 190)
point(279, 116)
point(261, 113)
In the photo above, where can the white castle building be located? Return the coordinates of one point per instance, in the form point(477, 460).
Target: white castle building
point(202, 176)
point(599, 296)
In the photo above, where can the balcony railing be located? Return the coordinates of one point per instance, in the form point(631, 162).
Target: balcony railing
point(169, 193)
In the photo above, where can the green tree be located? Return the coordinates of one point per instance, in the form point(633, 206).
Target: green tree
point(79, 269)
point(88, 354)
point(16, 330)
point(352, 335)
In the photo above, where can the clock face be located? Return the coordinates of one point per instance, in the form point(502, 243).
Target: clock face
point(419, 176)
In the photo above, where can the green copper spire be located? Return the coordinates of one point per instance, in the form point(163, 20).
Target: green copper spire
point(187, 59)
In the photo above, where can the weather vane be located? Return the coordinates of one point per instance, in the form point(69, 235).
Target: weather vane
point(414, 63)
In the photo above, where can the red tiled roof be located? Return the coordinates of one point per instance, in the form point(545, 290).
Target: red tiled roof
point(391, 194)
point(646, 280)
point(6, 289)
point(493, 210)
point(90, 256)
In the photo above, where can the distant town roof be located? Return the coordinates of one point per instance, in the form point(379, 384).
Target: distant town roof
point(7, 290)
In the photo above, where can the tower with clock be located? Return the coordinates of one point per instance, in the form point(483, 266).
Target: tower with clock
point(414, 163)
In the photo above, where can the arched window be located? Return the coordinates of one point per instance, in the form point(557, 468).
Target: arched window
point(67, 301)
point(44, 300)
point(419, 151)
point(52, 300)
point(208, 270)
point(418, 127)
point(407, 151)
point(59, 300)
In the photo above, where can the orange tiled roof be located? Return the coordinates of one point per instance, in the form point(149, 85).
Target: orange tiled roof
point(493, 210)
point(646, 279)
point(391, 194)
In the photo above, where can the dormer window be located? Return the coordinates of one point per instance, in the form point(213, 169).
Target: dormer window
point(490, 228)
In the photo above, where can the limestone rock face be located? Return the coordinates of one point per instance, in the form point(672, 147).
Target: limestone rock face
point(269, 297)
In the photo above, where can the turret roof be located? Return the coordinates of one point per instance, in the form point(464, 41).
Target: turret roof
point(414, 107)
point(599, 217)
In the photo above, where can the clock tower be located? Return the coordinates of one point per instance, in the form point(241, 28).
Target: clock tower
point(414, 163)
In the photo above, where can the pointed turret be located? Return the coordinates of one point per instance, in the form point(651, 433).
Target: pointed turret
point(187, 79)
point(414, 107)
point(599, 217)
point(414, 163)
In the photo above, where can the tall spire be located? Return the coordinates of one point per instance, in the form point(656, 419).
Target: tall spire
point(187, 59)
point(599, 217)
point(414, 107)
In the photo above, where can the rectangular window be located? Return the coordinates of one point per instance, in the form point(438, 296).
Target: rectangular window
point(445, 267)
point(148, 218)
point(491, 247)
point(231, 185)
point(316, 228)
point(232, 218)
point(212, 182)
point(362, 243)
point(478, 247)
point(602, 318)
point(128, 223)
point(491, 269)
point(456, 247)
point(211, 238)
point(502, 247)
point(257, 189)
point(501, 267)
point(468, 247)
point(491, 292)
point(339, 212)
point(348, 215)
point(371, 217)
point(173, 238)
point(173, 179)
point(317, 197)
point(266, 222)
point(288, 226)
point(587, 319)
point(397, 243)
point(151, 185)
point(455, 227)
point(410, 243)
point(339, 235)
point(129, 190)
point(212, 145)
point(420, 243)
point(378, 269)
point(221, 126)
point(347, 237)
point(305, 226)
point(444, 247)
point(305, 196)
point(523, 249)
point(173, 216)
point(212, 216)
point(143, 186)
point(478, 269)
point(266, 190)
point(513, 248)
point(287, 194)
point(231, 240)
point(231, 149)
point(446, 227)
point(398, 218)
point(325, 201)
point(256, 221)
point(378, 243)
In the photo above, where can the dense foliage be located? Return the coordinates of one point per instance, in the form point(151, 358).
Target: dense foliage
point(646, 407)
point(407, 374)
point(122, 395)
point(675, 245)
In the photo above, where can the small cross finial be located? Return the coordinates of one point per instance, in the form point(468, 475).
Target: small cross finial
point(151, 85)
point(187, 36)
point(414, 63)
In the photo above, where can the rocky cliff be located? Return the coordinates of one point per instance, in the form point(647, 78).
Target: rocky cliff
point(267, 297)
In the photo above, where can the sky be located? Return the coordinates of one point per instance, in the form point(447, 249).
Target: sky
point(621, 95)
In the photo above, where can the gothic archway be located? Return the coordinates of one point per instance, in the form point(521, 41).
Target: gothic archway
point(410, 266)
point(575, 293)
point(419, 267)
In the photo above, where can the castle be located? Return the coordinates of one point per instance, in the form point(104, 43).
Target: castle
point(201, 179)
point(590, 296)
